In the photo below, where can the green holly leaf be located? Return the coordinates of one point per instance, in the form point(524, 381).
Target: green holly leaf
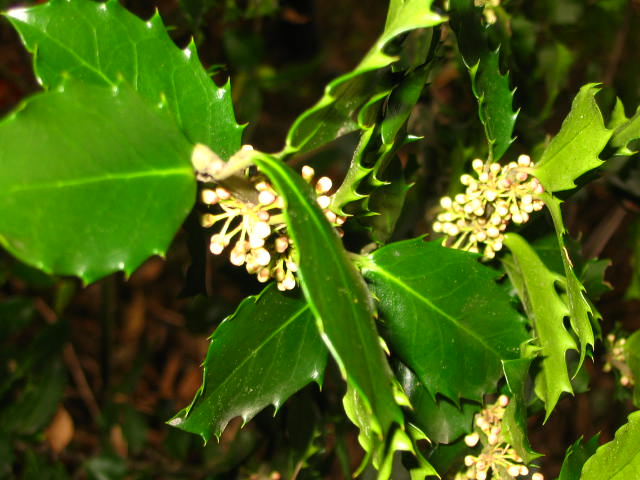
point(336, 112)
point(441, 420)
point(444, 316)
point(94, 186)
point(516, 372)
point(574, 150)
point(103, 43)
point(337, 296)
point(259, 356)
point(583, 316)
point(537, 287)
point(625, 130)
point(618, 459)
point(576, 455)
point(490, 87)
point(632, 355)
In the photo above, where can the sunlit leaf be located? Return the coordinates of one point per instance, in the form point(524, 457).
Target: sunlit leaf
point(618, 459)
point(103, 43)
point(574, 150)
point(94, 186)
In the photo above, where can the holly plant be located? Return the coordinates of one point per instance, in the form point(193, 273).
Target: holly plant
point(451, 312)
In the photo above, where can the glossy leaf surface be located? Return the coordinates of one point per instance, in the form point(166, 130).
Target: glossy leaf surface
point(441, 420)
point(490, 86)
point(576, 455)
point(337, 296)
point(575, 149)
point(103, 43)
point(618, 459)
point(444, 316)
point(261, 355)
point(335, 113)
point(106, 185)
point(537, 288)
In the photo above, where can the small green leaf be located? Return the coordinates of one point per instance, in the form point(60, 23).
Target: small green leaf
point(337, 296)
point(576, 455)
point(618, 459)
point(103, 43)
point(106, 185)
point(516, 372)
point(574, 150)
point(626, 130)
point(537, 287)
point(632, 355)
point(261, 355)
point(444, 316)
point(490, 87)
point(335, 113)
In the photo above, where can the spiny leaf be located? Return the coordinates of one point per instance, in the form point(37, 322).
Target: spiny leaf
point(537, 288)
point(618, 459)
point(337, 295)
point(335, 114)
point(261, 355)
point(516, 372)
point(94, 187)
point(625, 130)
point(103, 43)
point(583, 316)
point(576, 455)
point(490, 87)
point(444, 316)
point(574, 150)
point(441, 420)
point(379, 452)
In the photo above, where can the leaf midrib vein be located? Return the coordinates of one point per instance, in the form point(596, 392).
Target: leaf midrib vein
point(381, 271)
point(96, 179)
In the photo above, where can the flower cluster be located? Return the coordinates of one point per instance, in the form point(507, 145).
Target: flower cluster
point(616, 358)
point(497, 456)
point(253, 222)
point(497, 196)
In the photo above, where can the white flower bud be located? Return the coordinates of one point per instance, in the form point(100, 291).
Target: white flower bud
point(477, 164)
point(445, 202)
point(281, 244)
point(289, 281)
point(261, 230)
point(490, 195)
point(307, 172)
point(217, 244)
point(493, 232)
point(324, 201)
point(263, 275)
point(262, 256)
point(524, 470)
point(460, 198)
point(503, 400)
point(266, 197)
point(495, 168)
point(537, 476)
point(466, 179)
point(237, 257)
point(332, 217)
point(205, 160)
point(209, 197)
point(207, 220)
point(469, 460)
point(513, 470)
point(223, 193)
point(324, 185)
point(472, 439)
point(524, 160)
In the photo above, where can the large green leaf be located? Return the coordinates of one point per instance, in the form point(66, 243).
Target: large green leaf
point(490, 87)
point(575, 149)
point(261, 355)
point(103, 43)
point(337, 296)
point(618, 459)
point(537, 287)
point(444, 316)
point(335, 113)
point(92, 180)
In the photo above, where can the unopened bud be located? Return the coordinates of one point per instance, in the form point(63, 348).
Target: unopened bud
point(266, 197)
point(307, 173)
point(324, 185)
point(209, 197)
point(472, 439)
